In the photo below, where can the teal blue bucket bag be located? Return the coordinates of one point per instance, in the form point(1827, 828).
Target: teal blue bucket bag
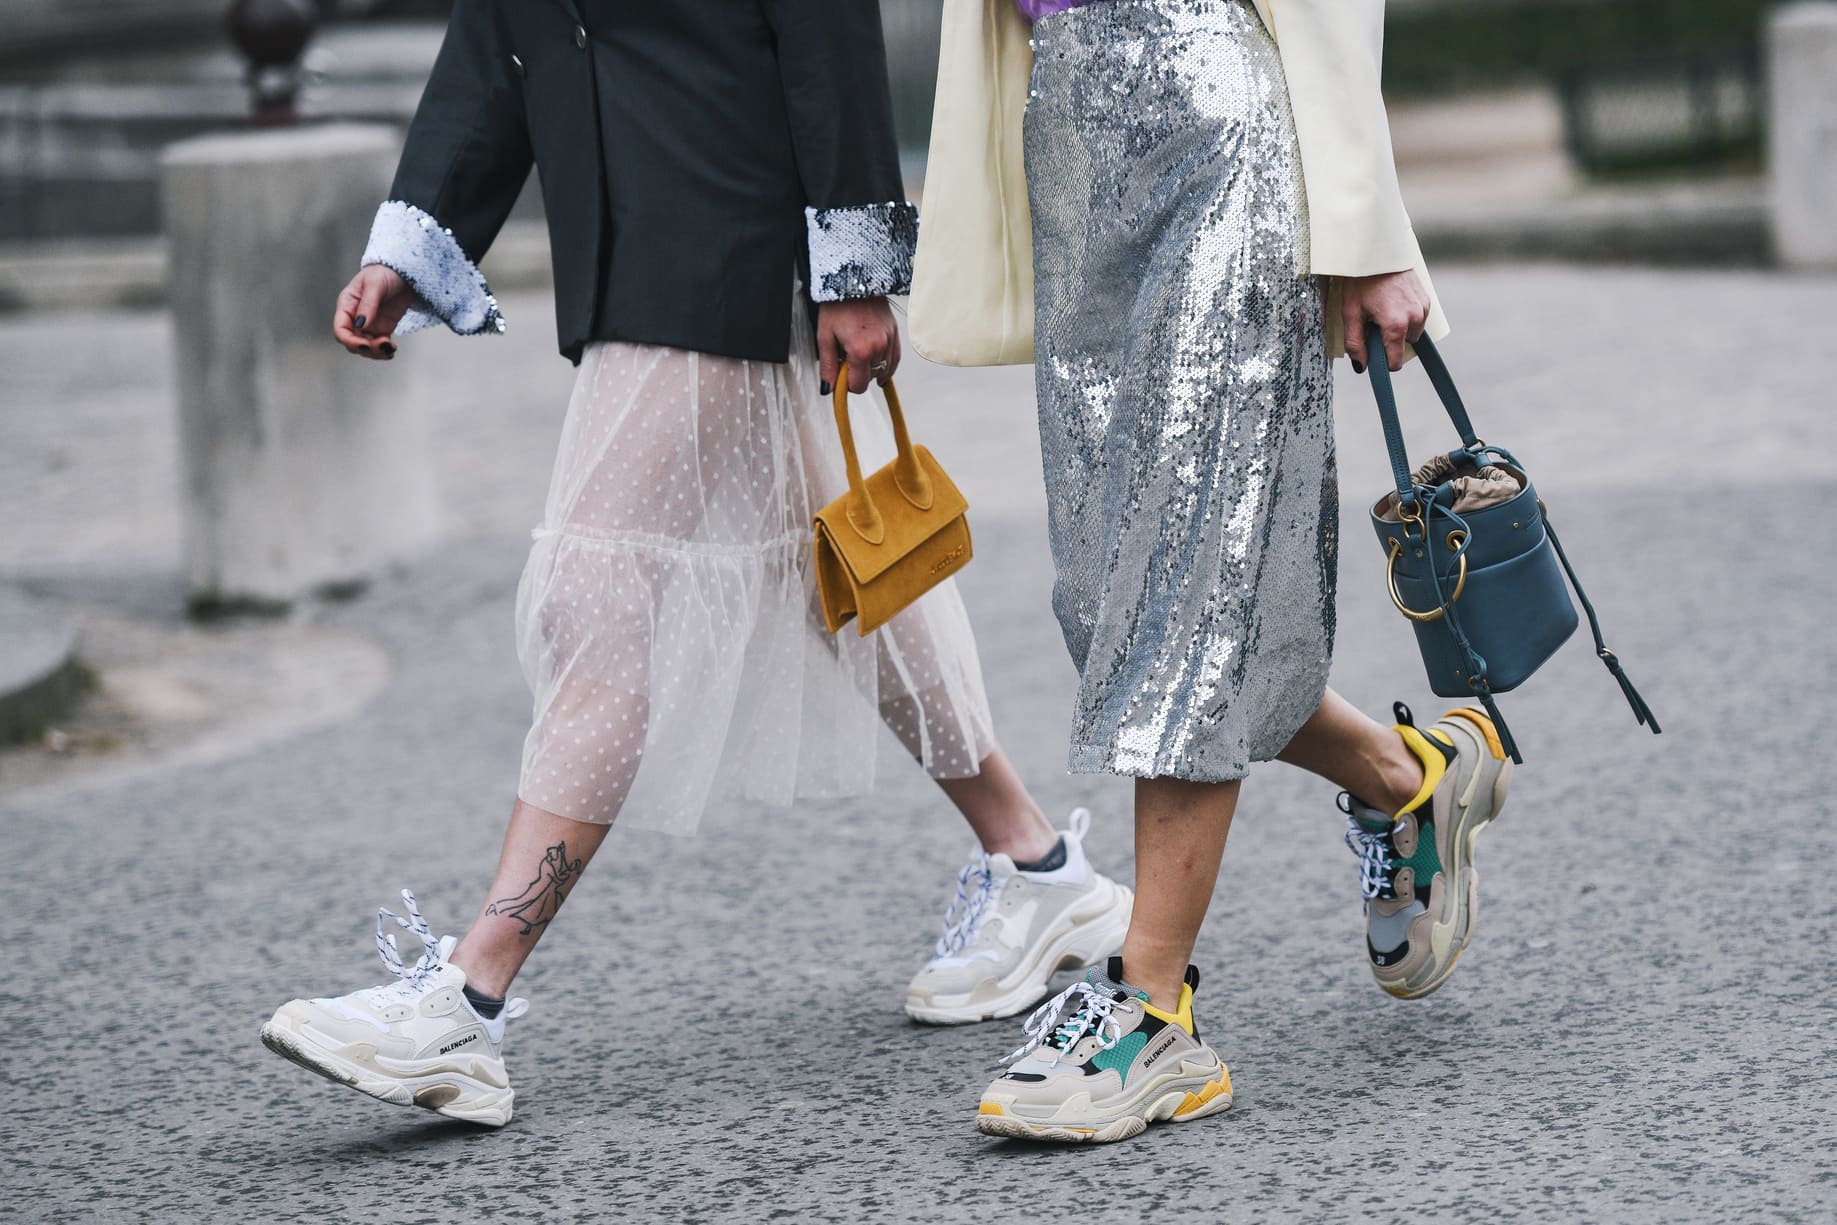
point(1483, 588)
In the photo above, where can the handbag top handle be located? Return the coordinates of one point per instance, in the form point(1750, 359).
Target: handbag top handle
point(908, 474)
point(1437, 370)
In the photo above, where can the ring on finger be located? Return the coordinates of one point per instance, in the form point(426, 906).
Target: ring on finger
point(880, 367)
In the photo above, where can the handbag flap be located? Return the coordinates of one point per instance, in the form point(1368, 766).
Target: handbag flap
point(907, 526)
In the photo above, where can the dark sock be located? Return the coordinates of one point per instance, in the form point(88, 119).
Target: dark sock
point(1052, 861)
point(487, 1006)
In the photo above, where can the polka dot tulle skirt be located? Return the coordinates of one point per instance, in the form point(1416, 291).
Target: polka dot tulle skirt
point(667, 620)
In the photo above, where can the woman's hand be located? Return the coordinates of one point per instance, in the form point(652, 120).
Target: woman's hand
point(862, 333)
point(1395, 301)
point(368, 310)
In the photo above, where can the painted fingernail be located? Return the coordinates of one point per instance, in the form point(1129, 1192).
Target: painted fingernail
point(388, 348)
point(826, 388)
point(1358, 367)
point(360, 320)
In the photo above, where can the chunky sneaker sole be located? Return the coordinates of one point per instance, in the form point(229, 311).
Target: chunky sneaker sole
point(1464, 804)
point(476, 1090)
point(1193, 1090)
point(1083, 935)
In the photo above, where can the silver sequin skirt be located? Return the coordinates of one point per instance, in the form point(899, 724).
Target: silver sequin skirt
point(1185, 397)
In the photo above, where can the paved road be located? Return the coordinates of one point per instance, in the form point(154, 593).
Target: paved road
point(1642, 1032)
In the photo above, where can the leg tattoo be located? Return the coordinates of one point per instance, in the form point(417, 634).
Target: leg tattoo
point(539, 901)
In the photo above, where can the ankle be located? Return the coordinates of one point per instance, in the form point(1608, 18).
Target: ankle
point(1400, 771)
point(481, 976)
point(1158, 977)
point(1025, 838)
point(1164, 998)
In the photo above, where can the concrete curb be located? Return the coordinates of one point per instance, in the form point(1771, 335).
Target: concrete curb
point(1713, 224)
point(40, 678)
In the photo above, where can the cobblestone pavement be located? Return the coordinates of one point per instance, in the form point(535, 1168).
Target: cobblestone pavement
point(1642, 1031)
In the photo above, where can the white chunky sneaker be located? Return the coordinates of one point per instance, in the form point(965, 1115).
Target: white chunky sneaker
point(413, 1042)
point(1008, 932)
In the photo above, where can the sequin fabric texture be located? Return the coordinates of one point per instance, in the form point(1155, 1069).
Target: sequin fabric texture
point(862, 251)
point(1185, 397)
point(449, 288)
point(667, 619)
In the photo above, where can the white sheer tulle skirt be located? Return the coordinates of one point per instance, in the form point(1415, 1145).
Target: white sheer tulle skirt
point(667, 620)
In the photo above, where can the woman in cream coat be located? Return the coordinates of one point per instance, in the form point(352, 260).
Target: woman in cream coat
point(1182, 210)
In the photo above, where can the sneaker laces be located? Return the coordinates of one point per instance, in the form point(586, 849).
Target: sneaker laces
point(1049, 1026)
point(1373, 847)
point(413, 979)
point(976, 891)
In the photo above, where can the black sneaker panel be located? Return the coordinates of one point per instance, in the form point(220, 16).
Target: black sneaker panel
point(1387, 959)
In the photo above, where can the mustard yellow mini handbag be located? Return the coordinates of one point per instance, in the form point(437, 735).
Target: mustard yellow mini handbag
point(893, 536)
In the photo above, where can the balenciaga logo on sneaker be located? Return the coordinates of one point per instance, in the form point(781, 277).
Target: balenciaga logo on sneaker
point(453, 1046)
point(1161, 1050)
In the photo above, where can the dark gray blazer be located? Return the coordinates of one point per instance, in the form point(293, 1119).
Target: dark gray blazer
point(692, 155)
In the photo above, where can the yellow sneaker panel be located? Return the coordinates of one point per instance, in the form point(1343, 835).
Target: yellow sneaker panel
point(1183, 1016)
point(1434, 763)
point(1484, 724)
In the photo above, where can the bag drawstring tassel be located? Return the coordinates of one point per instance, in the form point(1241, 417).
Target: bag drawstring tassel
point(1641, 711)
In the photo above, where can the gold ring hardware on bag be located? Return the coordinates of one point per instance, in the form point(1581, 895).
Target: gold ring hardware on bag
point(1407, 516)
point(1390, 576)
point(893, 535)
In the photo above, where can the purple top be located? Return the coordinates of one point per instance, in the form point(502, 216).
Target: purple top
point(1033, 10)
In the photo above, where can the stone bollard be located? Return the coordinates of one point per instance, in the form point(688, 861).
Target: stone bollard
point(304, 468)
point(1802, 74)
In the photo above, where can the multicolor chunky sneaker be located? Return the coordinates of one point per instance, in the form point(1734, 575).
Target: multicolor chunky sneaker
point(1416, 867)
point(1008, 932)
point(413, 1042)
point(1108, 1069)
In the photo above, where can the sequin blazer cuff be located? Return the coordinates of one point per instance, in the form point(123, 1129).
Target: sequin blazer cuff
point(861, 252)
point(448, 286)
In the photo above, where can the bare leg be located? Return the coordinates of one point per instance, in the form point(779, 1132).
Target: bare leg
point(1341, 743)
point(999, 808)
point(543, 857)
point(1180, 830)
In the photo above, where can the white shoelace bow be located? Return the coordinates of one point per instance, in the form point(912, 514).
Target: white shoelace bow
point(1374, 854)
point(1092, 1017)
point(413, 978)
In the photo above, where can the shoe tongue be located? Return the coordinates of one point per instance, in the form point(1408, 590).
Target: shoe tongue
point(1110, 979)
point(1371, 820)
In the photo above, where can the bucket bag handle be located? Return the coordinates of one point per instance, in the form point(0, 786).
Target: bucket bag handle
point(908, 475)
point(1445, 390)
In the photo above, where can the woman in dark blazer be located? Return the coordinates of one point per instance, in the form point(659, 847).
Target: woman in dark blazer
point(726, 218)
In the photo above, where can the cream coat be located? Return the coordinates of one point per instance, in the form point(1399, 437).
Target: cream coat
point(972, 288)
